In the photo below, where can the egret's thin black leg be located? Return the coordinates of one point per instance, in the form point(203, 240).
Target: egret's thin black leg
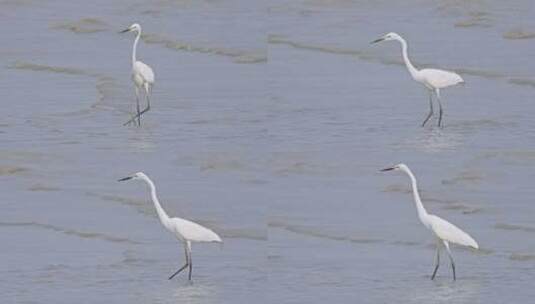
point(430, 108)
point(437, 262)
point(190, 269)
point(183, 267)
point(134, 117)
point(453, 268)
point(178, 271)
point(137, 109)
point(144, 110)
point(451, 259)
point(439, 110)
point(188, 254)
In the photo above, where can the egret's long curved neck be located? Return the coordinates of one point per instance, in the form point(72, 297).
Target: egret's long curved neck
point(422, 213)
point(164, 218)
point(134, 48)
point(408, 62)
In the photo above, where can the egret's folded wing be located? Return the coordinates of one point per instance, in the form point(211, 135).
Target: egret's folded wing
point(451, 233)
point(194, 232)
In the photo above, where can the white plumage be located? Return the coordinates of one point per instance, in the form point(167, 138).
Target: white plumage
point(439, 79)
point(184, 230)
point(432, 79)
point(444, 231)
point(142, 76)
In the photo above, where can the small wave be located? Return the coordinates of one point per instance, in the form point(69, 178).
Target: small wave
point(16, 3)
point(463, 208)
point(464, 177)
point(130, 258)
point(406, 243)
point(308, 231)
point(151, 12)
point(220, 163)
point(397, 188)
point(11, 170)
point(522, 257)
point(238, 233)
point(56, 267)
point(480, 73)
point(520, 155)
point(298, 167)
point(454, 205)
point(251, 58)
point(523, 82)
point(20, 155)
point(274, 257)
point(511, 227)
point(104, 86)
point(72, 232)
point(142, 206)
point(329, 3)
point(518, 34)
point(239, 56)
point(277, 39)
point(480, 251)
point(475, 19)
point(40, 187)
point(83, 26)
point(21, 65)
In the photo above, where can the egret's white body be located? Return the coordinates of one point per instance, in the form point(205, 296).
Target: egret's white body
point(184, 230)
point(432, 79)
point(142, 75)
point(444, 231)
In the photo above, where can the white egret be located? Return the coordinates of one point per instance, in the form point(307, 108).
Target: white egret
point(432, 79)
point(142, 76)
point(184, 230)
point(444, 231)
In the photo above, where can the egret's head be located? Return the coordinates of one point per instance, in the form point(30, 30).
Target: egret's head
point(133, 28)
point(139, 175)
point(389, 36)
point(402, 167)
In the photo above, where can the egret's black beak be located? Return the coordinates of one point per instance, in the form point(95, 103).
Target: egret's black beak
point(125, 179)
point(387, 169)
point(377, 40)
point(124, 31)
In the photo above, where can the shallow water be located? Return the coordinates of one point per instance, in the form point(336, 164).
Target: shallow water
point(270, 122)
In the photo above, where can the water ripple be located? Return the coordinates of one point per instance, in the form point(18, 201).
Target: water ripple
point(72, 232)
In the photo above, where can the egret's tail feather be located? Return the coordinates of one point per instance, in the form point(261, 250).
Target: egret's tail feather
point(474, 245)
point(470, 242)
